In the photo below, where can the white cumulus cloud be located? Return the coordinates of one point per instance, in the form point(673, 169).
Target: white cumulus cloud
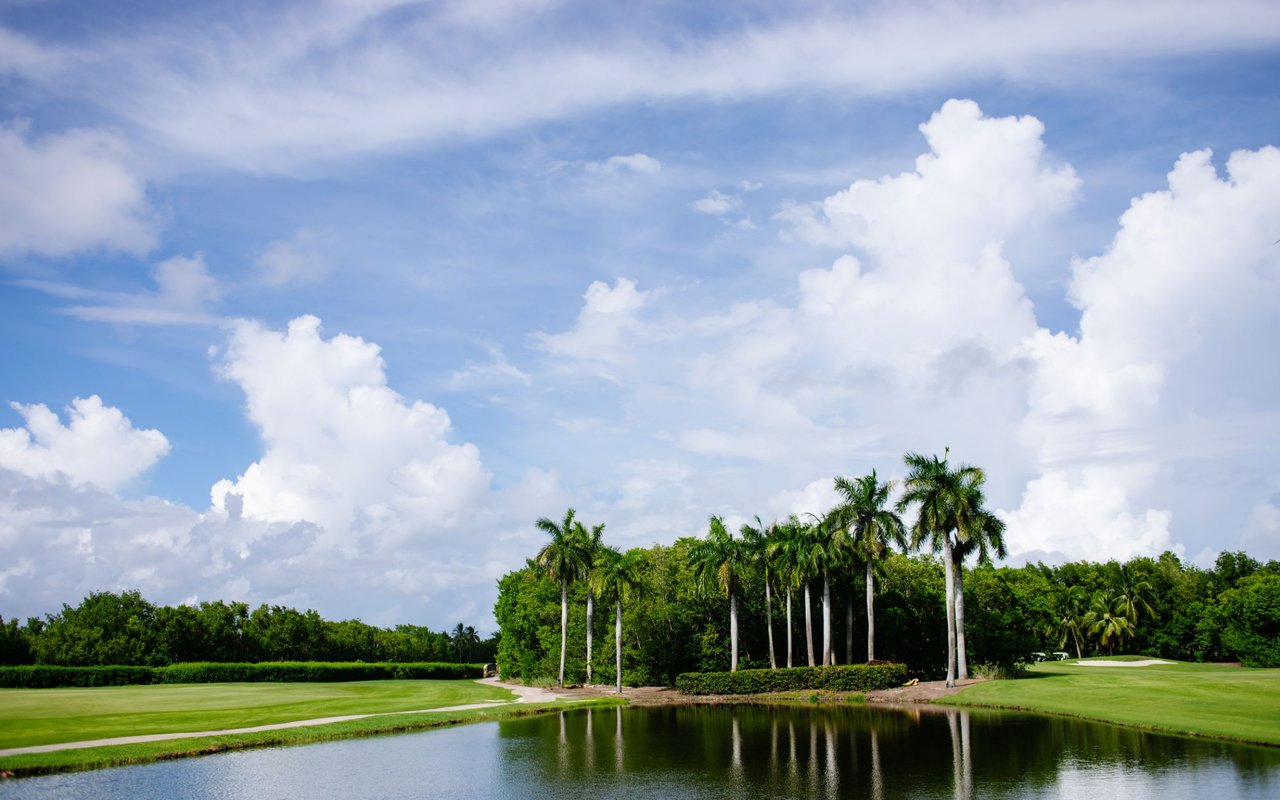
point(98, 445)
point(342, 449)
point(608, 315)
point(1094, 439)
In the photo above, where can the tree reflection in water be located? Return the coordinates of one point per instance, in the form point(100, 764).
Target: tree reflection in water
point(713, 752)
point(842, 751)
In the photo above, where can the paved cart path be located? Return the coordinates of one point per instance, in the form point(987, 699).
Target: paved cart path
point(524, 694)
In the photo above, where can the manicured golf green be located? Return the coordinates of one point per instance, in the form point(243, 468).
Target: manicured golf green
point(1198, 699)
point(46, 716)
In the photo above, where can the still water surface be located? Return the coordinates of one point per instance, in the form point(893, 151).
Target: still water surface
point(704, 752)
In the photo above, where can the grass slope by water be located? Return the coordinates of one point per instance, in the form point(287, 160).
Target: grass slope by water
point(1196, 699)
point(125, 755)
point(47, 716)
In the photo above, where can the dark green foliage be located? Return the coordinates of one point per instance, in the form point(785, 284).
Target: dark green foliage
point(1006, 611)
point(49, 677)
point(15, 642)
point(848, 678)
point(105, 628)
point(125, 629)
point(1251, 620)
point(44, 677)
point(1011, 612)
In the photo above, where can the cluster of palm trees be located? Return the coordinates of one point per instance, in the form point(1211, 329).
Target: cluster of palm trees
point(463, 639)
point(576, 553)
point(1106, 619)
point(949, 517)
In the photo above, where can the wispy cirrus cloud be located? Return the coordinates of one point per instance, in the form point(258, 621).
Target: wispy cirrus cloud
point(184, 294)
point(287, 89)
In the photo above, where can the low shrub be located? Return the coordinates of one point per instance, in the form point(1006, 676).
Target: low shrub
point(847, 678)
point(41, 676)
point(313, 672)
point(45, 677)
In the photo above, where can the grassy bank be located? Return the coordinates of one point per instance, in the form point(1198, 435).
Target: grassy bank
point(47, 716)
point(125, 755)
point(1196, 699)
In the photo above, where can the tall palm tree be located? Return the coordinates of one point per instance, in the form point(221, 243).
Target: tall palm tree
point(786, 554)
point(872, 527)
point(757, 540)
point(940, 496)
point(720, 561)
point(590, 540)
point(824, 553)
point(982, 532)
point(562, 559)
point(617, 577)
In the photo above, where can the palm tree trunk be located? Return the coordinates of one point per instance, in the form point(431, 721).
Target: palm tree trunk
point(848, 628)
point(808, 622)
point(733, 631)
point(951, 609)
point(1076, 637)
point(590, 613)
point(826, 619)
point(564, 627)
point(871, 614)
point(790, 627)
point(768, 615)
point(962, 659)
point(617, 644)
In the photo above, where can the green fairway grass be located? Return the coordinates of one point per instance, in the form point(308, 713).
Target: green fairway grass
point(1197, 699)
point(147, 752)
point(47, 716)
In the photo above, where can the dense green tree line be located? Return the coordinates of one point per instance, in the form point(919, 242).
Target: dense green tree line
point(708, 603)
point(108, 628)
point(1228, 613)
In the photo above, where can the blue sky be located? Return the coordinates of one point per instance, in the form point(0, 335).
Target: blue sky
point(324, 304)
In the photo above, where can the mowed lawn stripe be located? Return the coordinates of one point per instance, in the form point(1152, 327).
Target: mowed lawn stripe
point(1199, 699)
point(46, 716)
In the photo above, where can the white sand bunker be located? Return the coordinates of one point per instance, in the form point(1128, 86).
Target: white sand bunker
point(1104, 663)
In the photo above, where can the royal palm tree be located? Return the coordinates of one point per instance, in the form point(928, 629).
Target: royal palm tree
point(786, 554)
point(940, 496)
point(872, 527)
point(562, 559)
point(757, 540)
point(983, 533)
point(590, 540)
point(617, 577)
point(720, 561)
point(824, 554)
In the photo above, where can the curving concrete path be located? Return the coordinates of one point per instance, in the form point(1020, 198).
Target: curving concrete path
point(1147, 662)
point(524, 694)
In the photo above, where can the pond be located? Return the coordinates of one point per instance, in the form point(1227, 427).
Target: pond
point(714, 751)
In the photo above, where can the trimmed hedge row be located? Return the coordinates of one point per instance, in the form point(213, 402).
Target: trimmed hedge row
point(847, 678)
point(48, 677)
point(42, 676)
